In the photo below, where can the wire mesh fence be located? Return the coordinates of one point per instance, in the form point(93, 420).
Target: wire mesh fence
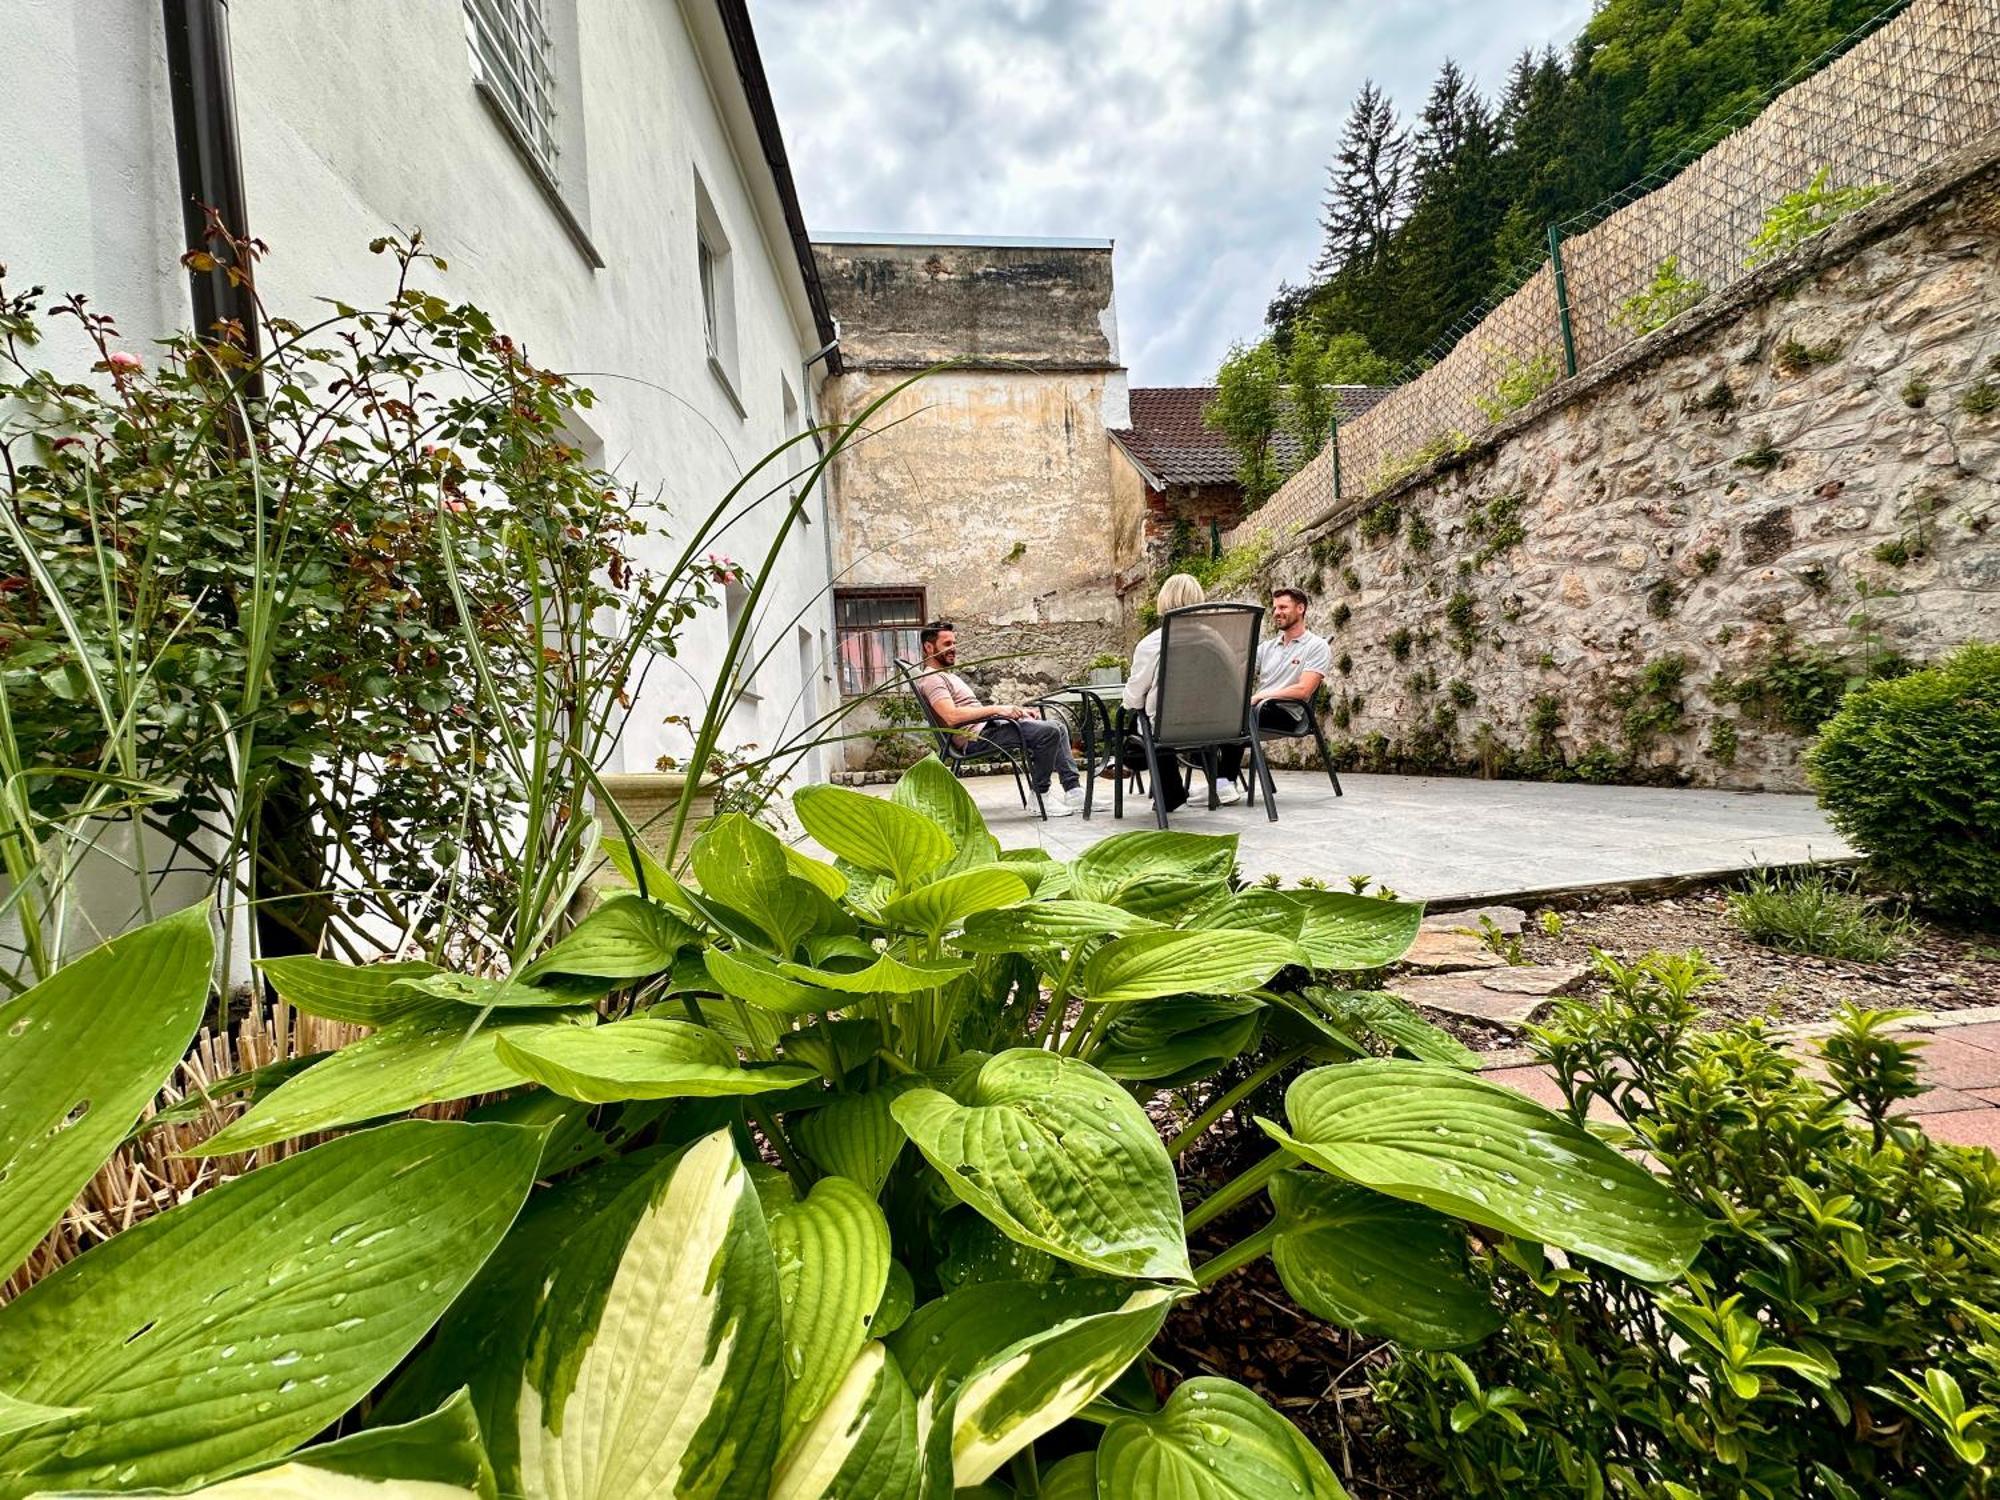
point(1914, 87)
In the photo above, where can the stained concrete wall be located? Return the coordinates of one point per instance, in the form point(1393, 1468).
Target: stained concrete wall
point(1634, 576)
point(989, 483)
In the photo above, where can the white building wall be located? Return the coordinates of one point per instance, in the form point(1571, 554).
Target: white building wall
point(356, 119)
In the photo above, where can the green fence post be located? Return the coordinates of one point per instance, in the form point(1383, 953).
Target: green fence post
point(1562, 300)
point(1333, 443)
point(1214, 538)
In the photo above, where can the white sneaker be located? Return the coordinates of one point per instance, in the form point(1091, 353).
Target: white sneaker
point(1056, 805)
point(1227, 792)
point(1074, 796)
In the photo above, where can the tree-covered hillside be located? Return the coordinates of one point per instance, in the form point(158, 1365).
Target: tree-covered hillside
point(1426, 217)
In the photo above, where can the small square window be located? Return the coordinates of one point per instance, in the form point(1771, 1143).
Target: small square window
point(876, 628)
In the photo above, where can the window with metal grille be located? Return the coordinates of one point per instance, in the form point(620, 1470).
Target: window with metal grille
point(512, 60)
point(875, 627)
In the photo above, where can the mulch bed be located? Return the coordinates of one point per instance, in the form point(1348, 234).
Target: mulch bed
point(1944, 968)
point(1246, 1328)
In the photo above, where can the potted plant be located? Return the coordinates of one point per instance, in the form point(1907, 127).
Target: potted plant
point(1106, 669)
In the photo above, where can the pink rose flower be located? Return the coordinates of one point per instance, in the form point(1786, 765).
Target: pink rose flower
point(124, 364)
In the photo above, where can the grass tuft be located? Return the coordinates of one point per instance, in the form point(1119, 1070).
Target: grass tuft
point(1816, 914)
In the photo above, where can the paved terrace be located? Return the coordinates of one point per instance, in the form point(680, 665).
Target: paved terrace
point(1436, 838)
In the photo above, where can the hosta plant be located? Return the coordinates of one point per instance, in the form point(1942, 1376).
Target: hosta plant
point(845, 1186)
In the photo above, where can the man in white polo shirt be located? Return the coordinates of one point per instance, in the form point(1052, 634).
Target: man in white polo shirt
point(1291, 664)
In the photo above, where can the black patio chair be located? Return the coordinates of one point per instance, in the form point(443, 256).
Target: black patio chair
point(957, 754)
point(1306, 721)
point(1208, 662)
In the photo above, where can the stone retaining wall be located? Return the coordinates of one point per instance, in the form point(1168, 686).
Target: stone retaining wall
point(1666, 567)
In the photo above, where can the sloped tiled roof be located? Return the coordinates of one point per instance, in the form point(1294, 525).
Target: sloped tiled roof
point(1169, 440)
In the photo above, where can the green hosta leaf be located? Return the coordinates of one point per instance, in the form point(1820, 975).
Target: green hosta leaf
point(1391, 1018)
point(1072, 1478)
point(1169, 899)
point(643, 1057)
point(1213, 1440)
point(25, 1416)
point(872, 832)
point(626, 1339)
point(1254, 910)
point(975, 1251)
point(816, 872)
point(232, 1328)
point(836, 1048)
point(946, 903)
point(365, 994)
point(1125, 861)
point(1044, 925)
point(1376, 1264)
point(1148, 965)
point(899, 1298)
point(944, 1341)
point(930, 789)
point(853, 1135)
point(1344, 932)
point(81, 1054)
point(1481, 1152)
point(1034, 1385)
point(742, 864)
point(626, 937)
point(1035, 866)
point(437, 1457)
point(1060, 1159)
point(399, 1067)
point(756, 981)
point(886, 976)
point(833, 1266)
point(1169, 1037)
point(865, 1444)
point(499, 994)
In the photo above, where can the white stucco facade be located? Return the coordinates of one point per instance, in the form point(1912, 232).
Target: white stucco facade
point(358, 118)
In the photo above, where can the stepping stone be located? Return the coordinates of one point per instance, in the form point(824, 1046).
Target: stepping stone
point(1442, 951)
point(1506, 996)
point(1509, 919)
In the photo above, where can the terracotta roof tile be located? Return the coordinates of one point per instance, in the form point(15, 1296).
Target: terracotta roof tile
point(1169, 438)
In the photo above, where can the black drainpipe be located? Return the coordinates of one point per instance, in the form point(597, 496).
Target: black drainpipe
point(211, 166)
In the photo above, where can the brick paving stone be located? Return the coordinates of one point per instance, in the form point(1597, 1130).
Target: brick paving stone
point(1966, 1127)
point(1942, 1101)
point(1984, 1034)
point(1950, 1063)
point(1534, 1082)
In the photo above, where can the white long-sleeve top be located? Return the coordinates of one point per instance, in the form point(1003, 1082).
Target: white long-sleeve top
point(1142, 689)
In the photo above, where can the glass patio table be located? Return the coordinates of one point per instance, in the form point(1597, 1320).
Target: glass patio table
point(1093, 708)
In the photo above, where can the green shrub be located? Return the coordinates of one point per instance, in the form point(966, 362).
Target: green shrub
point(1799, 216)
point(1813, 913)
point(1909, 771)
point(1666, 297)
point(1835, 1339)
point(1519, 382)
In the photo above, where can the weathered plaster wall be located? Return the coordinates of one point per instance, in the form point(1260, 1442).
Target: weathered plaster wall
point(1639, 574)
point(1130, 565)
point(906, 306)
point(993, 490)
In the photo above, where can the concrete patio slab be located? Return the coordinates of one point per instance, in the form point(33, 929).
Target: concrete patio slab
point(1436, 838)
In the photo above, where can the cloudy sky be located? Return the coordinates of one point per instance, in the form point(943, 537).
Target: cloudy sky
point(1195, 133)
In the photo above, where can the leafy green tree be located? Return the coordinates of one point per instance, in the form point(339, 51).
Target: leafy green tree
point(1247, 410)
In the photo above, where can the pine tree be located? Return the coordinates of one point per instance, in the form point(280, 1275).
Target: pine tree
point(1365, 185)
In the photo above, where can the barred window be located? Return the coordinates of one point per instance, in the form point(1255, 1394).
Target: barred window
point(875, 627)
point(512, 59)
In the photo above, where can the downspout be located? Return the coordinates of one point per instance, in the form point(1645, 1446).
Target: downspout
point(202, 82)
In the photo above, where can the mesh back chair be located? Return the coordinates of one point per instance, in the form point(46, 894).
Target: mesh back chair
point(1208, 660)
point(1306, 719)
point(957, 754)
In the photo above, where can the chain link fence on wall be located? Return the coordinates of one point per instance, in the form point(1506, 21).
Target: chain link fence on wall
point(1898, 99)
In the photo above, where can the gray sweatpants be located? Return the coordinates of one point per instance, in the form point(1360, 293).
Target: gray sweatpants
point(1047, 745)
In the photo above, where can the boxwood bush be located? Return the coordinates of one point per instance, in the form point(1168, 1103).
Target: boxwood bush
point(1909, 771)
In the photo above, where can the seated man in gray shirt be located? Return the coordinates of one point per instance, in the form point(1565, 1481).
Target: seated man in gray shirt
point(958, 708)
point(1291, 664)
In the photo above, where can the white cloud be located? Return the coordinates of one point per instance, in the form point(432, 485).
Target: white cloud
point(1193, 132)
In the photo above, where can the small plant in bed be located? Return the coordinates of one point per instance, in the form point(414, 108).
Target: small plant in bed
point(1819, 914)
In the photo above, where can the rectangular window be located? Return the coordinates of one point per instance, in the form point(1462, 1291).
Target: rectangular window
point(876, 627)
point(704, 260)
point(513, 57)
point(735, 604)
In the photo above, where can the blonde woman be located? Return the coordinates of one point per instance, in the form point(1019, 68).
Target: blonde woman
point(1142, 687)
